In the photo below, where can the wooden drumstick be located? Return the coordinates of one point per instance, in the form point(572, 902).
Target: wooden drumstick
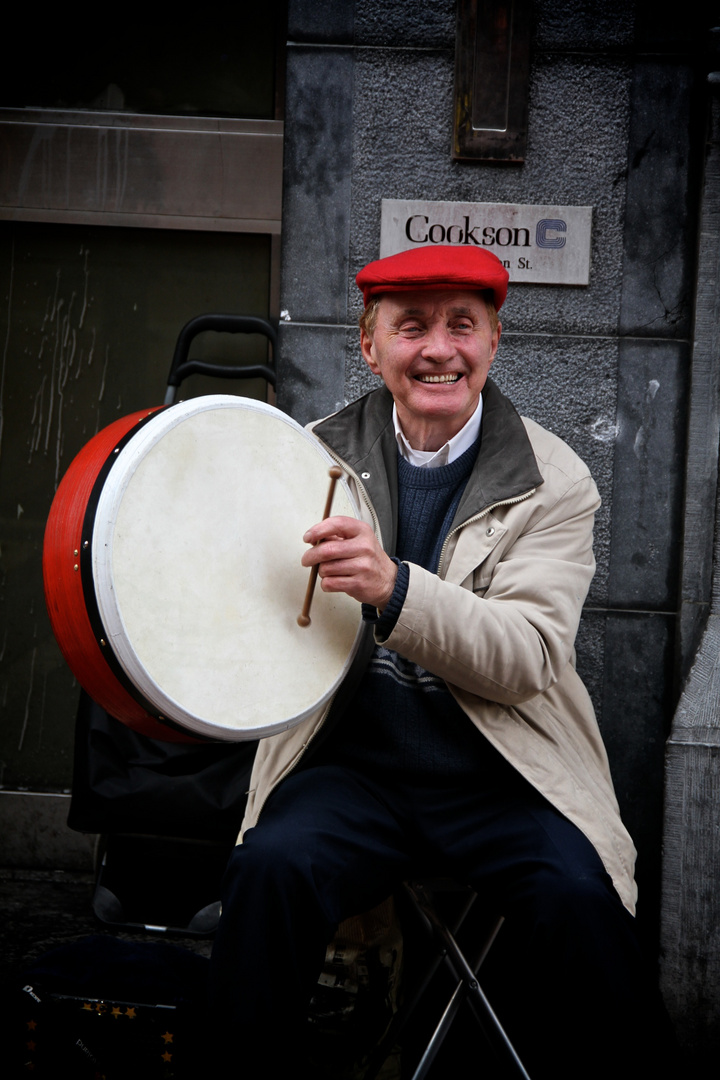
point(303, 618)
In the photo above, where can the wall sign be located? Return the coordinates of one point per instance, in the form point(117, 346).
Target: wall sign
point(548, 245)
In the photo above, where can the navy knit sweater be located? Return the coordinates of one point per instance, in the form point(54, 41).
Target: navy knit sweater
point(402, 719)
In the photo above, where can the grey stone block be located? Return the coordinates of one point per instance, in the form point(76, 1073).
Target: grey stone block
point(690, 965)
point(690, 935)
point(648, 482)
point(317, 175)
point(637, 702)
point(311, 371)
point(659, 238)
point(34, 833)
point(405, 24)
point(596, 24)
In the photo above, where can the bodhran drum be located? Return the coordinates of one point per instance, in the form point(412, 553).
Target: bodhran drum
point(173, 577)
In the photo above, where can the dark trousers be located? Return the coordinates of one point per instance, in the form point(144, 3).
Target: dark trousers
point(332, 843)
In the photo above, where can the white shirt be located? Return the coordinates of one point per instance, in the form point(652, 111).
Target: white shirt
point(453, 448)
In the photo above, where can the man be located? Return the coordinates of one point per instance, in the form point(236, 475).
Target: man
point(464, 743)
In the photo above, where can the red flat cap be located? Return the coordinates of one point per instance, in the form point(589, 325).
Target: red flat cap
point(442, 266)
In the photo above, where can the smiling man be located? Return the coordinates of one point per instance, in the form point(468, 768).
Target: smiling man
point(463, 743)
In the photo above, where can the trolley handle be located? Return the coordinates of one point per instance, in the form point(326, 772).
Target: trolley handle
point(182, 367)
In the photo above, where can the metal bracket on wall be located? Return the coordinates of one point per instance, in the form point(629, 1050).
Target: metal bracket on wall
point(492, 75)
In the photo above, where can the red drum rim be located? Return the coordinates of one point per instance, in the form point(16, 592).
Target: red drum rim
point(66, 552)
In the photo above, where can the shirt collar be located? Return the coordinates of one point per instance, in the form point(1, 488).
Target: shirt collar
point(453, 448)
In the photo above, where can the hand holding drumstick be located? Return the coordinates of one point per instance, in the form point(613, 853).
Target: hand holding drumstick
point(348, 558)
point(303, 618)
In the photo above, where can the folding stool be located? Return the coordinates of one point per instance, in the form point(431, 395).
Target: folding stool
point(442, 933)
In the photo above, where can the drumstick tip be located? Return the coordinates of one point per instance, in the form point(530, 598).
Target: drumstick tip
point(303, 620)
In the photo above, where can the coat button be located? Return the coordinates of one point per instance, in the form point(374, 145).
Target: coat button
point(490, 531)
point(365, 475)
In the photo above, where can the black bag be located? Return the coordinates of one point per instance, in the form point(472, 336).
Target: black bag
point(124, 782)
point(169, 814)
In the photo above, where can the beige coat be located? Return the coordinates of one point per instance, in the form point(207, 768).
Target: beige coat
point(498, 620)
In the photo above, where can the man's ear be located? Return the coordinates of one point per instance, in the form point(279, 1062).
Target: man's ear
point(496, 340)
point(366, 348)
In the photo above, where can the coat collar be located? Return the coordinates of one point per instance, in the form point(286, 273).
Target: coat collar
point(363, 435)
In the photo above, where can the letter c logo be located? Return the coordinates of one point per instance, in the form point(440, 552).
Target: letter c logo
point(546, 225)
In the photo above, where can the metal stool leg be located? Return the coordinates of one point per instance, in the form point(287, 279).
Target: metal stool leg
point(468, 988)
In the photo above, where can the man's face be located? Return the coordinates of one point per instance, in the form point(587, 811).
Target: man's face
point(433, 350)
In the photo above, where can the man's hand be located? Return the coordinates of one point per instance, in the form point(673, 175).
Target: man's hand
point(350, 560)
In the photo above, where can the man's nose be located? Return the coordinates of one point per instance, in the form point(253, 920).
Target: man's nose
point(438, 345)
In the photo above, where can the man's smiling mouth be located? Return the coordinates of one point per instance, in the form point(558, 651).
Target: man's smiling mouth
point(453, 377)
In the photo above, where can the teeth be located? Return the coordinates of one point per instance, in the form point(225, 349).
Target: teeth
point(438, 378)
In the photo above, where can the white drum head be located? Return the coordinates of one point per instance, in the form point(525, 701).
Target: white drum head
point(196, 561)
